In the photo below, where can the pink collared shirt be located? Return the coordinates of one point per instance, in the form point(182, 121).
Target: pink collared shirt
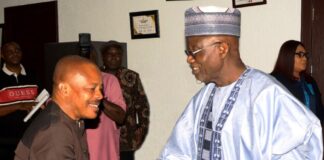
point(103, 141)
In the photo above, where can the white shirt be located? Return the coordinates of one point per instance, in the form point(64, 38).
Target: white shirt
point(8, 72)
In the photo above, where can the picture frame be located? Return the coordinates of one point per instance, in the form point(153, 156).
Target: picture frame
point(144, 24)
point(246, 3)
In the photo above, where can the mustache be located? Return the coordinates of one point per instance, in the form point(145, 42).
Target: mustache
point(96, 102)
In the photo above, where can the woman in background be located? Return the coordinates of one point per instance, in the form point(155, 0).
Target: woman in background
point(290, 70)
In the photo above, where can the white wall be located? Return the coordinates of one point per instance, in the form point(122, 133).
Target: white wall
point(161, 61)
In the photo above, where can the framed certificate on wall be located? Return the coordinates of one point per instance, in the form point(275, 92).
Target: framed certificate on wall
point(245, 3)
point(144, 24)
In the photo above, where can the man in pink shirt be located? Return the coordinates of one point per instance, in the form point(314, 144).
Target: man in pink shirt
point(103, 139)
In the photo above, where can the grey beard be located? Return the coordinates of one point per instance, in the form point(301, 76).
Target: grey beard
point(198, 81)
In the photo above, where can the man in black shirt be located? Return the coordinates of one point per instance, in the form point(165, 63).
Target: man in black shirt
point(58, 131)
point(13, 110)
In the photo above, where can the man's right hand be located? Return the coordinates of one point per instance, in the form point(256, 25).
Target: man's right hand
point(26, 106)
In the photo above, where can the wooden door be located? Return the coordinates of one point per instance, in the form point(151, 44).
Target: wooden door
point(32, 26)
point(312, 35)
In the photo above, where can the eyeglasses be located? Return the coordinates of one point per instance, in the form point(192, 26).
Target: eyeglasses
point(302, 54)
point(193, 53)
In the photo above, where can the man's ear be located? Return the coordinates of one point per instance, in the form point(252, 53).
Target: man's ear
point(64, 88)
point(224, 49)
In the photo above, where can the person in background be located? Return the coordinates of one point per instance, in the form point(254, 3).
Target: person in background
point(241, 112)
point(103, 133)
point(290, 70)
point(58, 131)
point(135, 128)
point(14, 78)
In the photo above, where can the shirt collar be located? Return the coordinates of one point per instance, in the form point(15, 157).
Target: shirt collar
point(8, 72)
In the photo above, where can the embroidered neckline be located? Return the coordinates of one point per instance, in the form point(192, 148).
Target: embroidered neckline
point(206, 133)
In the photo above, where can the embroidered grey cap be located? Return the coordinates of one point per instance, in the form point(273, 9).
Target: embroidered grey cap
point(212, 20)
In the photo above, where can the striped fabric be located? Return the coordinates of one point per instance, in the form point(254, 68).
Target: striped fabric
point(212, 20)
point(209, 144)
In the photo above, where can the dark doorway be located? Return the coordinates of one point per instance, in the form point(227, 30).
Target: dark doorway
point(32, 26)
point(312, 35)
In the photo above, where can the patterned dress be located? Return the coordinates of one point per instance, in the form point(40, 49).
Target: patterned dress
point(137, 116)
